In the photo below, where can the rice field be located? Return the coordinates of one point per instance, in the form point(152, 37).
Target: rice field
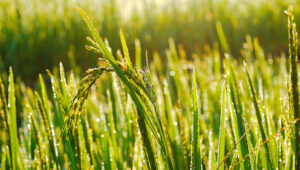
point(136, 111)
point(43, 33)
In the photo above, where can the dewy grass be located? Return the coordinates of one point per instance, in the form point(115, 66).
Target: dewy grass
point(48, 128)
point(221, 141)
point(12, 117)
point(206, 112)
point(236, 112)
point(196, 147)
point(293, 35)
point(259, 117)
point(4, 116)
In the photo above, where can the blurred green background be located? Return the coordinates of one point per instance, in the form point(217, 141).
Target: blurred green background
point(36, 35)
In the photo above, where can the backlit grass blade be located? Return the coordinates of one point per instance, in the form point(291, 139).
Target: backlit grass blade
point(112, 119)
point(63, 84)
point(49, 117)
point(50, 135)
point(13, 121)
point(196, 146)
point(216, 60)
point(221, 142)
point(222, 38)
point(125, 50)
point(138, 55)
point(293, 35)
point(38, 139)
point(57, 96)
point(60, 112)
point(258, 116)
point(171, 128)
point(212, 160)
point(45, 97)
point(78, 148)
point(183, 137)
point(250, 147)
point(237, 132)
point(88, 138)
point(173, 50)
point(236, 112)
point(137, 164)
point(4, 110)
point(148, 146)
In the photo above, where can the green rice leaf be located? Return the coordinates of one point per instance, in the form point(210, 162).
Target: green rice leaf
point(221, 142)
point(125, 50)
point(13, 121)
point(258, 116)
point(196, 145)
point(222, 38)
point(138, 55)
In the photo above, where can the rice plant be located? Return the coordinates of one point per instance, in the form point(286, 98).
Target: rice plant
point(209, 112)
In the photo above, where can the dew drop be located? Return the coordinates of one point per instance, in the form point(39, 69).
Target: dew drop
point(172, 73)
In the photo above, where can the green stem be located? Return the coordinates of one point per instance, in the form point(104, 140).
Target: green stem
point(294, 78)
point(146, 141)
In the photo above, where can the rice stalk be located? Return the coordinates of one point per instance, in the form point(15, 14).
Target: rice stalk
point(293, 35)
point(221, 142)
point(196, 146)
point(5, 112)
point(12, 117)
